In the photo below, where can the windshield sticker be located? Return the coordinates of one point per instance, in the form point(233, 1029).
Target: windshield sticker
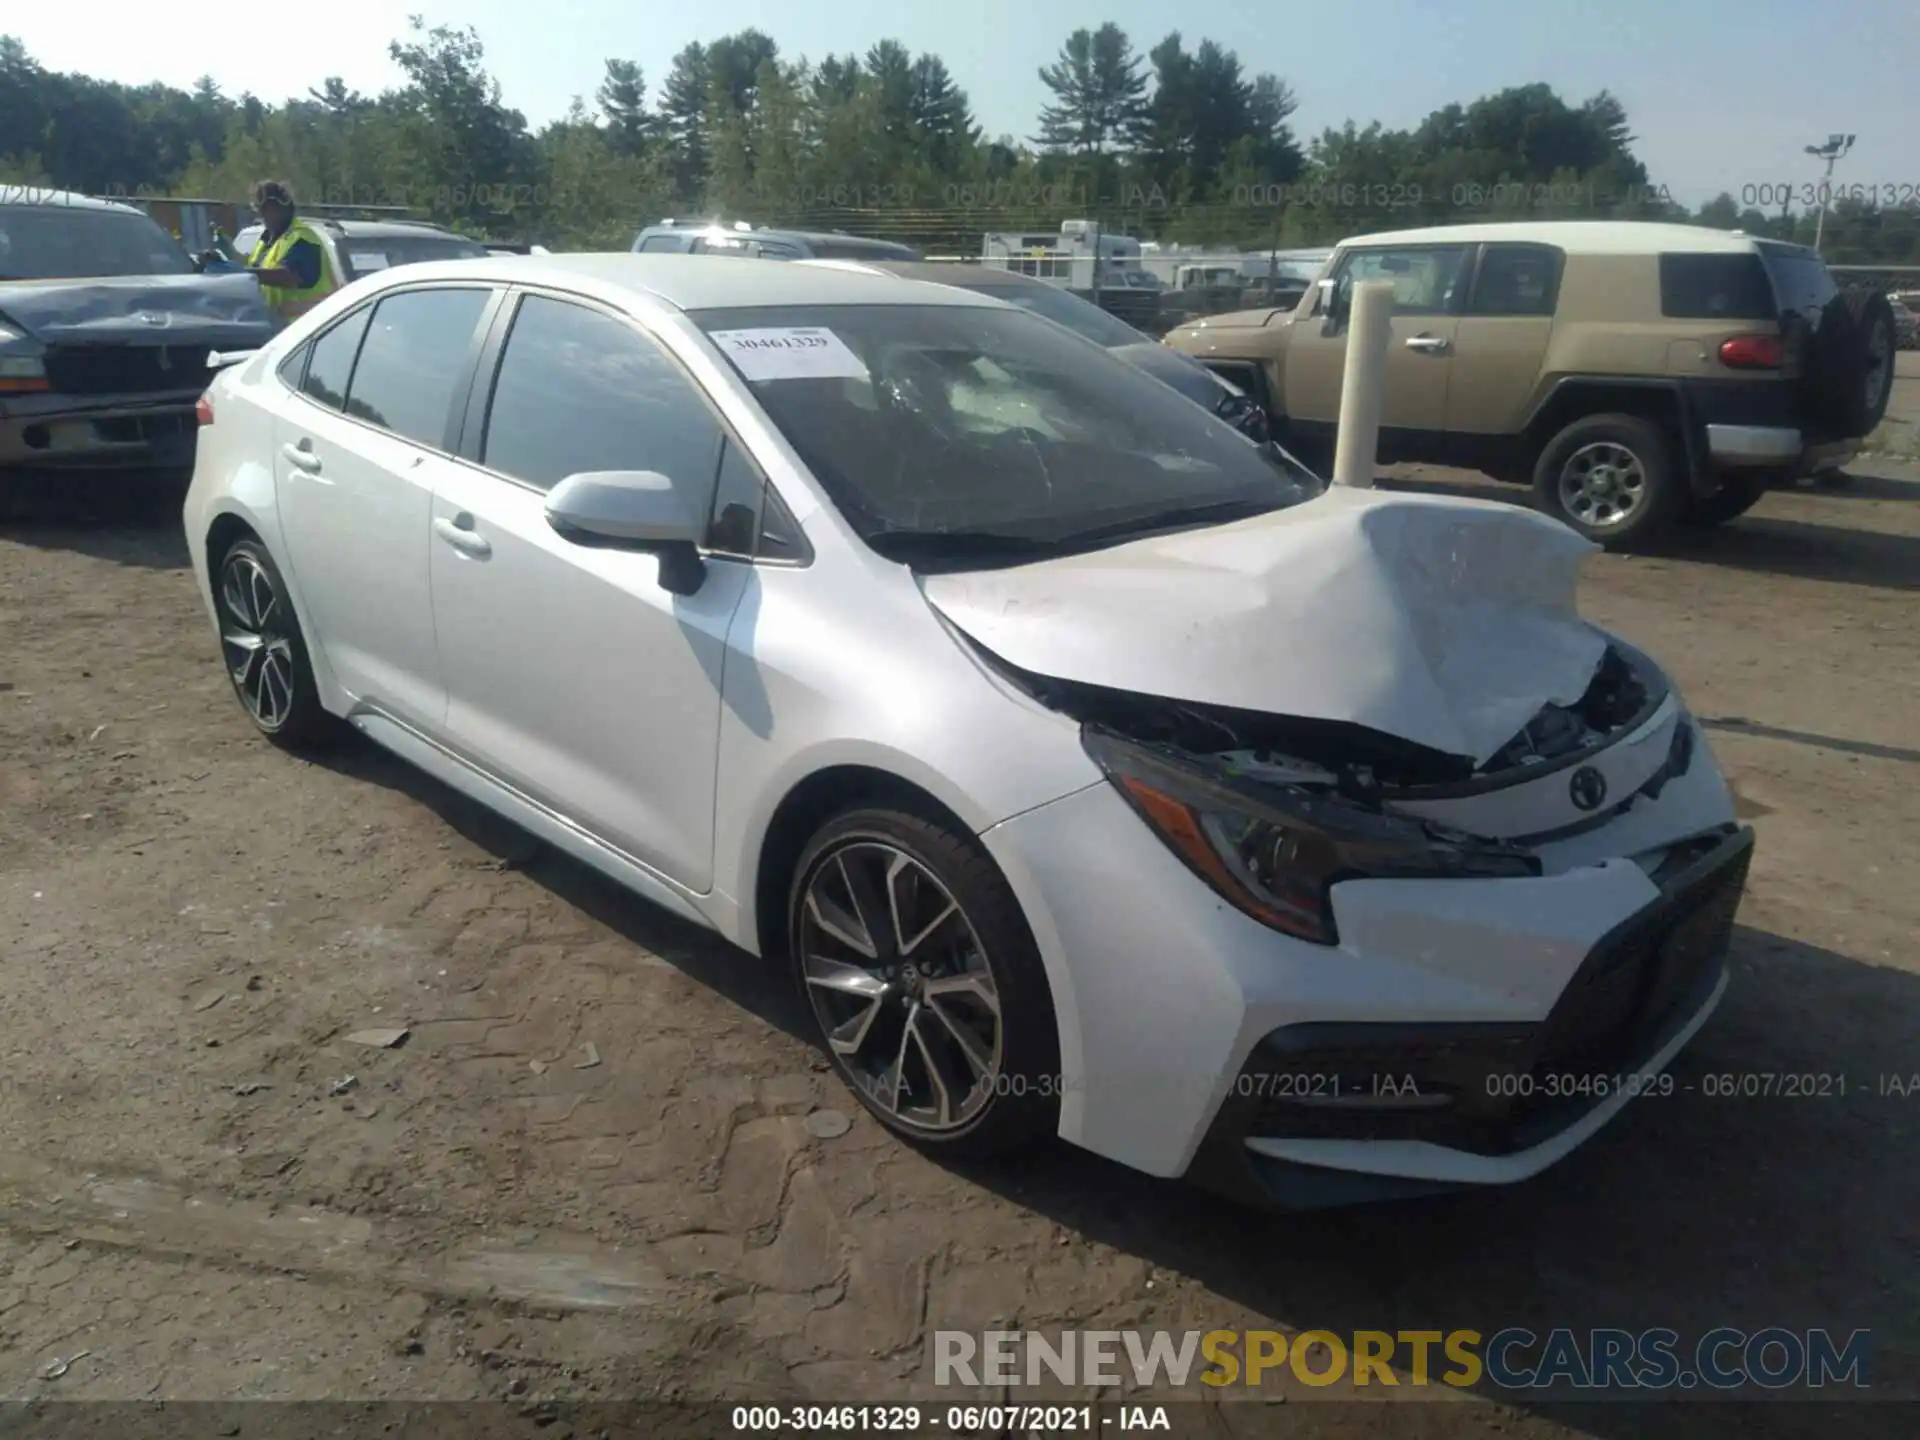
point(369, 260)
point(790, 353)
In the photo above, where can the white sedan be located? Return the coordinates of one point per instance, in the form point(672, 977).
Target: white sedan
point(1092, 775)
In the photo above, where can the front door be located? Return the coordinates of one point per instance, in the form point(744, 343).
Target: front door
point(571, 673)
point(351, 465)
point(1413, 413)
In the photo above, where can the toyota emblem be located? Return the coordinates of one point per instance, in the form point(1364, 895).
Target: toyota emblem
point(1587, 788)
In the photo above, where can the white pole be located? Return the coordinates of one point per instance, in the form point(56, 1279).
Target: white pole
point(1369, 329)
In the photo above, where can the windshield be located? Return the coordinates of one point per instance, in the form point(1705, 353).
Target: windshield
point(67, 242)
point(368, 253)
point(1082, 317)
point(960, 436)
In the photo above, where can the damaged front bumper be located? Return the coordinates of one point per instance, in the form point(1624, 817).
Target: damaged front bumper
point(1327, 1114)
point(96, 432)
point(1197, 1041)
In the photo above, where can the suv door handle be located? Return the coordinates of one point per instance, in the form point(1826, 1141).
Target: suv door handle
point(302, 456)
point(1430, 344)
point(462, 538)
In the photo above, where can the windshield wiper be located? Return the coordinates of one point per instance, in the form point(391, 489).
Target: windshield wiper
point(1182, 517)
point(909, 544)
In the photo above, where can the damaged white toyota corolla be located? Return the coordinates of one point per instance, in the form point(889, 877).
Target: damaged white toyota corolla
point(1092, 770)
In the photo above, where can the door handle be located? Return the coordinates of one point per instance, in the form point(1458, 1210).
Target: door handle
point(462, 538)
point(302, 457)
point(1430, 344)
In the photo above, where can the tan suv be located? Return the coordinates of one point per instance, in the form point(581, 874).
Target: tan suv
point(1634, 374)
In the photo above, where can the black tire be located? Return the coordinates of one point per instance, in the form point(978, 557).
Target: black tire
point(1650, 487)
point(1879, 343)
point(1738, 493)
point(264, 651)
point(1018, 1101)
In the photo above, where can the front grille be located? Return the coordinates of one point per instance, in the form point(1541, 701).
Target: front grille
point(125, 369)
point(1139, 308)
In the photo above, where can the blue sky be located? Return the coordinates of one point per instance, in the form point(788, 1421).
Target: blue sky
point(1724, 94)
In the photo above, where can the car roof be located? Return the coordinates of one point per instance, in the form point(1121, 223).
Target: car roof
point(696, 282)
point(65, 199)
point(1576, 237)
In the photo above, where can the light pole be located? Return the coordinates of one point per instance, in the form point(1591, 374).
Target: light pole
point(1836, 146)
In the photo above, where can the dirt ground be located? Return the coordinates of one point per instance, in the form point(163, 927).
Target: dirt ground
point(587, 1173)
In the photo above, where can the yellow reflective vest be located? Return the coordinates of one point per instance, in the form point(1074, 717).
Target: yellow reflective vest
point(286, 304)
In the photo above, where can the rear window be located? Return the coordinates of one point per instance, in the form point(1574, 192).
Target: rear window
point(1715, 287)
point(67, 242)
point(367, 254)
point(851, 250)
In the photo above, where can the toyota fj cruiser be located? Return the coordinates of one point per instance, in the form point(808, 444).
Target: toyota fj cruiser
point(1635, 374)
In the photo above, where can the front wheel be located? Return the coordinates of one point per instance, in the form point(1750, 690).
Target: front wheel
point(1613, 478)
point(924, 981)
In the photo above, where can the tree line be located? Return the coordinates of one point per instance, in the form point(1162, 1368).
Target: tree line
point(1178, 142)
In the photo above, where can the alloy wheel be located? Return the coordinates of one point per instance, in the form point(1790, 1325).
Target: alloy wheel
point(900, 983)
point(253, 635)
point(1603, 485)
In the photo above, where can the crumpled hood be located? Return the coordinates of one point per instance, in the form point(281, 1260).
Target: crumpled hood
point(1445, 622)
point(224, 311)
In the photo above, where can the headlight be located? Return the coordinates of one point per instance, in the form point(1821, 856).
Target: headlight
point(1276, 851)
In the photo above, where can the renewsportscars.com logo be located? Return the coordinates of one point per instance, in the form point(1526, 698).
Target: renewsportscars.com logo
point(1512, 1359)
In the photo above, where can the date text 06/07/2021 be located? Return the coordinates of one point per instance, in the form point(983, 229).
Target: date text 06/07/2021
point(956, 1420)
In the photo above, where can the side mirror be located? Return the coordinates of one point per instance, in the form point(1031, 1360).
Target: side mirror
point(1329, 307)
point(631, 510)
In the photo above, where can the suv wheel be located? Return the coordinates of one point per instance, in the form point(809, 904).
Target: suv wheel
point(1612, 478)
point(1879, 340)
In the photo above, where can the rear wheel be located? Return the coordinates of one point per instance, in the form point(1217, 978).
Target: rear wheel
point(1612, 478)
point(1738, 493)
point(925, 983)
point(265, 652)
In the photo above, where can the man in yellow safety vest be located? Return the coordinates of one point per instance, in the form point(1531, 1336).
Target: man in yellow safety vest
point(290, 260)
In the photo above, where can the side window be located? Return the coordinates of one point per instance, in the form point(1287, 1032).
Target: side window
point(780, 537)
point(412, 361)
point(735, 526)
point(332, 360)
point(1425, 281)
point(654, 244)
point(1516, 280)
point(1715, 287)
point(579, 390)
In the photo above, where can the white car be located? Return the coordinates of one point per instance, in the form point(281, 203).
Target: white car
point(1092, 775)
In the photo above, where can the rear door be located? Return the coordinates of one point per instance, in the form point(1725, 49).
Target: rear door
point(1500, 343)
point(354, 469)
point(571, 672)
point(1429, 285)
